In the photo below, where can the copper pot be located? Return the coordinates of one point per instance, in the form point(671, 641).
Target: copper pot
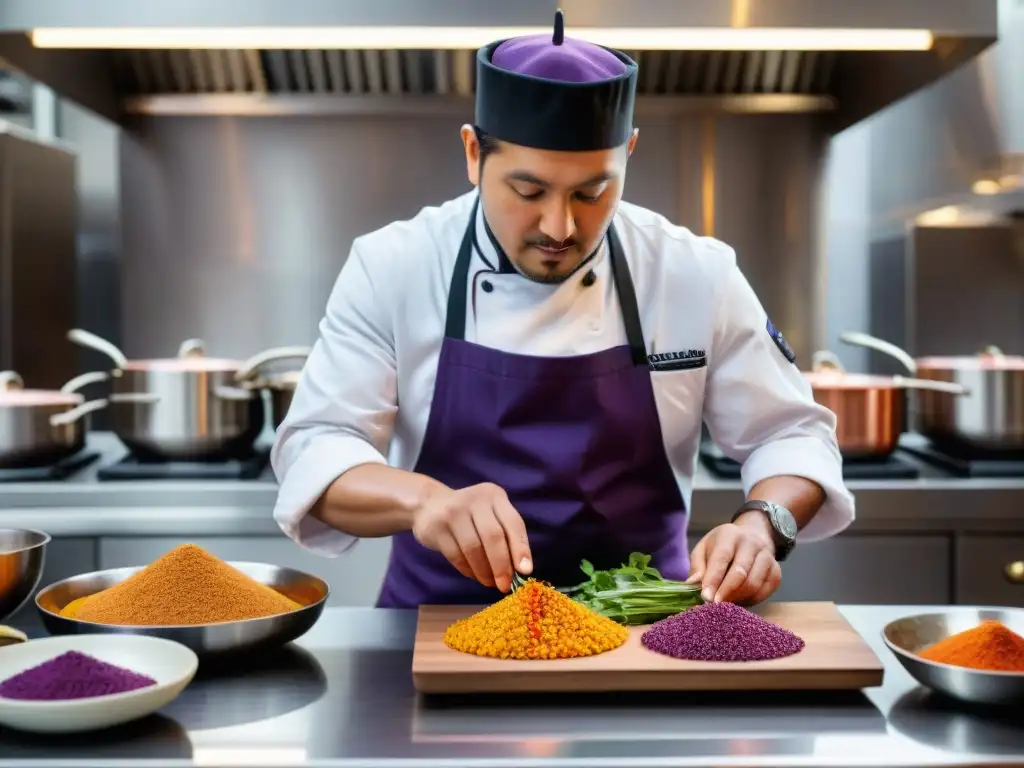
point(869, 409)
point(989, 418)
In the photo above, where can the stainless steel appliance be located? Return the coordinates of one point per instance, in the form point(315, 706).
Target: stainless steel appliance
point(38, 214)
point(894, 48)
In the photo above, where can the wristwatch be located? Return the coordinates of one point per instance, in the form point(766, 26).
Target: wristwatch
point(784, 528)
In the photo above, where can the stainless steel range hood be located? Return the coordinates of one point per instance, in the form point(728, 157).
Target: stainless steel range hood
point(850, 58)
point(967, 147)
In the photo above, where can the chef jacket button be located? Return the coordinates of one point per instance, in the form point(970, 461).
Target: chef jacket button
point(588, 279)
point(486, 285)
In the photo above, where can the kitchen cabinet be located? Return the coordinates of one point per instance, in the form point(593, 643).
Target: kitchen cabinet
point(355, 577)
point(859, 569)
point(64, 558)
point(980, 570)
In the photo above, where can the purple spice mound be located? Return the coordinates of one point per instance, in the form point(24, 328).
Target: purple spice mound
point(71, 675)
point(720, 632)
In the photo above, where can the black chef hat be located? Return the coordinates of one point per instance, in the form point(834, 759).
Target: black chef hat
point(554, 92)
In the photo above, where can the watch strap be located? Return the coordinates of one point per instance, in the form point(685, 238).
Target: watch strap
point(783, 544)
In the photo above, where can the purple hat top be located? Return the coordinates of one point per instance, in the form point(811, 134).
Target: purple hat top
point(558, 58)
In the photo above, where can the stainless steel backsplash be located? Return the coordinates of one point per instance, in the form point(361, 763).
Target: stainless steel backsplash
point(234, 229)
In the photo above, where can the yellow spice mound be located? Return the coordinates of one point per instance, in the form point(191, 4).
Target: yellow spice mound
point(187, 585)
point(535, 622)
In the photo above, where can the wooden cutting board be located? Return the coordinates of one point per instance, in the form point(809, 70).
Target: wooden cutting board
point(835, 658)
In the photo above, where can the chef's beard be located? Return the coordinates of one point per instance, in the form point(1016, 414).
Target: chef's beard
point(545, 275)
point(549, 275)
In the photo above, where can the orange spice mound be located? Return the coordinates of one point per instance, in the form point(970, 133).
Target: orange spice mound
point(990, 646)
point(187, 585)
point(535, 622)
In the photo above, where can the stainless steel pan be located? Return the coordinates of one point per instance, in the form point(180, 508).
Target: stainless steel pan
point(869, 409)
point(186, 408)
point(43, 426)
point(989, 418)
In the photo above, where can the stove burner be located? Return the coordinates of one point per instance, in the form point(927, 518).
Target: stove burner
point(891, 467)
point(60, 470)
point(968, 464)
point(133, 468)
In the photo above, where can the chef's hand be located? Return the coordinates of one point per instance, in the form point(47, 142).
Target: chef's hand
point(736, 563)
point(478, 530)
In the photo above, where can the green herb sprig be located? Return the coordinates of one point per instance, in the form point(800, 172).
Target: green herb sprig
point(635, 593)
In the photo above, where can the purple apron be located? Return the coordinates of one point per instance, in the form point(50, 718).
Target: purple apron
point(575, 442)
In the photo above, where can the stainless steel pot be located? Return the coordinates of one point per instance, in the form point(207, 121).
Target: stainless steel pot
point(186, 408)
point(989, 418)
point(869, 409)
point(43, 426)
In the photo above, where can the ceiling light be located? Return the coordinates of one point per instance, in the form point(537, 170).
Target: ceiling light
point(635, 38)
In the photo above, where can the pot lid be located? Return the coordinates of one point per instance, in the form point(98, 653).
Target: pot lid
point(984, 361)
point(842, 380)
point(191, 358)
point(13, 393)
point(27, 397)
point(185, 364)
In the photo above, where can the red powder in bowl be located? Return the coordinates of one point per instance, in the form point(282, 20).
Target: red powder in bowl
point(720, 632)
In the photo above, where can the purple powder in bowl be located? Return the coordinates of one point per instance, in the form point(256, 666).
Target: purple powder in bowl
point(71, 675)
point(720, 632)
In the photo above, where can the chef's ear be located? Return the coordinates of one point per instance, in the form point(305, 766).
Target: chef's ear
point(472, 146)
point(632, 141)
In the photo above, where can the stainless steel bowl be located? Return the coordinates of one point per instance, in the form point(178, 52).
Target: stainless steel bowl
point(908, 636)
point(22, 556)
point(205, 639)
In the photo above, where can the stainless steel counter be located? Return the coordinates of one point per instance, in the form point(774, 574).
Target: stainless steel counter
point(81, 505)
point(343, 696)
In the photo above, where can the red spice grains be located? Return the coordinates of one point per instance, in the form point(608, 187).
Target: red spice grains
point(720, 632)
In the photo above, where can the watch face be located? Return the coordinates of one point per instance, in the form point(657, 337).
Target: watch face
point(784, 521)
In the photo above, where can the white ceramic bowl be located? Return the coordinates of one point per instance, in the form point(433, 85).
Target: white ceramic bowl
point(171, 664)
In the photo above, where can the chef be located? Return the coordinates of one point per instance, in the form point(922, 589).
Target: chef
point(515, 379)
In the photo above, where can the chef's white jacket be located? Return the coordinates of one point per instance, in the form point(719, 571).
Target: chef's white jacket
point(365, 391)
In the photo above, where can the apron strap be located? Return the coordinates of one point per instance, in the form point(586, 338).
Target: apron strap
point(455, 322)
point(627, 299)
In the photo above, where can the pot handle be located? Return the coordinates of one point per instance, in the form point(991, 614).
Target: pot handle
point(233, 393)
point(70, 417)
point(826, 360)
point(135, 397)
point(935, 386)
point(91, 340)
point(10, 380)
point(192, 348)
point(75, 384)
point(250, 366)
point(871, 342)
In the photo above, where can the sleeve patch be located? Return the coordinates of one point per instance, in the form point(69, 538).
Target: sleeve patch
point(781, 343)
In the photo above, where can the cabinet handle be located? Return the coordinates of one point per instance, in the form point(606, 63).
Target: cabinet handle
point(1015, 572)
